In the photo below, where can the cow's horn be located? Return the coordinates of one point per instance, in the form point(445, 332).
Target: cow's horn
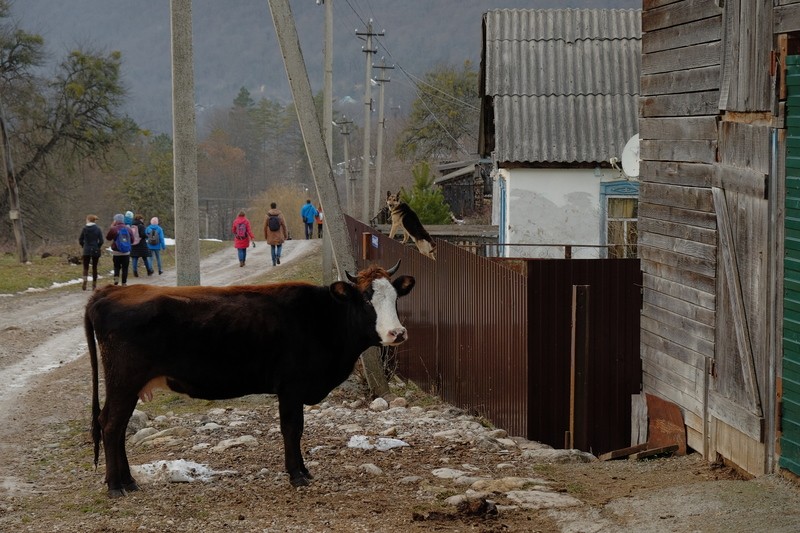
point(351, 277)
point(392, 270)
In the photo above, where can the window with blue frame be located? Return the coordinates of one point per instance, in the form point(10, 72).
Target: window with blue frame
point(619, 204)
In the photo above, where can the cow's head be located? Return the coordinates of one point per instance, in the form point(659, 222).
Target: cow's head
point(372, 287)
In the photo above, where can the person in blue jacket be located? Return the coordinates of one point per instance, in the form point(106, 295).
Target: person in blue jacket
point(154, 235)
point(308, 212)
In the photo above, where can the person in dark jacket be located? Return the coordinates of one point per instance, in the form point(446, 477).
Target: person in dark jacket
point(140, 248)
point(92, 241)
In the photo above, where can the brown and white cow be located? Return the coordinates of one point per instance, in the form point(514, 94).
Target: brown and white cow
point(296, 340)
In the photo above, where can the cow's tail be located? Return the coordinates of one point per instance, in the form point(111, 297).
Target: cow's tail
point(89, 329)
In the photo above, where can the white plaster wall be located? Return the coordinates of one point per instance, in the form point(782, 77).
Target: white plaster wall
point(552, 206)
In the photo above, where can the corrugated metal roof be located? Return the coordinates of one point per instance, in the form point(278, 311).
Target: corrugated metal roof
point(564, 82)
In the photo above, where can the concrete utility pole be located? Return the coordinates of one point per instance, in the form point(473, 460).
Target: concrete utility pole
point(349, 181)
point(327, 121)
point(368, 50)
point(382, 79)
point(327, 92)
point(320, 165)
point(184, 134)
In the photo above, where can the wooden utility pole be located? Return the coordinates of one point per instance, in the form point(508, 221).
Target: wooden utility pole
point(382, 80)
point(321, 171)
point(349, 181)
point(184, 134)
point(368, 50)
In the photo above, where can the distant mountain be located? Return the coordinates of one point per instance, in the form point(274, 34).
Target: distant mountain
point(235, 44)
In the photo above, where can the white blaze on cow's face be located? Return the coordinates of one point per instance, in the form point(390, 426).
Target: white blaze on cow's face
point(384, 301)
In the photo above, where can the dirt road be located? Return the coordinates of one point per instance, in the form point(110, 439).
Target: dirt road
point(452, 471)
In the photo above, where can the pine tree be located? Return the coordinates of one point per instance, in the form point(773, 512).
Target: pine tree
point(425, 198)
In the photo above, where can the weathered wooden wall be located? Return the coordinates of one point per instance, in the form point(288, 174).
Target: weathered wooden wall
point(705, 128)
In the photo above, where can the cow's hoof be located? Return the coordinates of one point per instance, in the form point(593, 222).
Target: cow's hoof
point(131, 487)
point(116, 493)
point(300, 481)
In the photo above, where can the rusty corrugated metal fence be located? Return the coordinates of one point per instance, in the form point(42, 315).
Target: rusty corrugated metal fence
point(492, 337)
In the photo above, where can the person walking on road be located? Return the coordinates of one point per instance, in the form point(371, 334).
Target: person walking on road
point(308, 212)
point(275, 232)
point(319, 220)
point(120, 236)
point(242, 235)
point(140, 248)
point(155, 242)
point(92, 241)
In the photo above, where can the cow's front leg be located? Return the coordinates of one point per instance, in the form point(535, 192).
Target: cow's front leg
point(291, 414)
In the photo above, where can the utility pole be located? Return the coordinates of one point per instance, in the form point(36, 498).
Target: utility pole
point(343, 255)
point(368, 50)
point(327, 92)
point(349, 181)
point(184, 133)
point(382, 80)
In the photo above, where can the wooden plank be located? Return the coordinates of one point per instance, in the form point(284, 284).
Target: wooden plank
point(688, 386)
point(666, 427)
point(679, 261)
point(738, 313)
point(666, 361)
point(741, 180)
point(678, 105)
point(678, 336)
point(678, 245)
point(695, 198)
point(638, 419)
point(682, 128)
point(655, 286)
point(684, 308)
point(691, 217)
point(676, 13)
point(689, 326)
point(680, 81)
point(667, 391)
point(697, 151)
point(786, 18)
point(745, 145)
point(678, 173)
point(693, 32)
point(652, 345)
point(736, 416)
point(690, 279)
point(623, 453)
point(661, 450)
point(685, 58)
point(674, 229)
point(738, 448)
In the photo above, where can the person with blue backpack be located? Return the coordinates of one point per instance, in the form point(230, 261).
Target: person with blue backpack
point(120, 235)
point(155, 241)
point(308, 212)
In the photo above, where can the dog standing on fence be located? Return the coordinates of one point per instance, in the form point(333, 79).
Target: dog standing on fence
point(404, 217)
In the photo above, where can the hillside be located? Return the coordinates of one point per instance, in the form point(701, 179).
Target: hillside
point(235, 44)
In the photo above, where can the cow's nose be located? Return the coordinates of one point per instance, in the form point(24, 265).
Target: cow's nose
point(399, 335)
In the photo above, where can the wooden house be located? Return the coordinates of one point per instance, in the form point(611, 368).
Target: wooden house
point(559, 91)
point(719, 224)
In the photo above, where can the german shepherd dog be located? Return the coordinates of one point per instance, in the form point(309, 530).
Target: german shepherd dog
point(405, 217)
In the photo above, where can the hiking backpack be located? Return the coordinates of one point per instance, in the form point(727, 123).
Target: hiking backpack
point(241, 230)
point(135, 237)
point(274, 223)
point(153, 238)
point(123, 240)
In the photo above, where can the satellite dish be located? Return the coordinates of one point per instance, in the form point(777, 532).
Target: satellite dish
point(630, 157)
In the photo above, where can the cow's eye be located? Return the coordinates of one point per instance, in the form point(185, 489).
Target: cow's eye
point(368, 296)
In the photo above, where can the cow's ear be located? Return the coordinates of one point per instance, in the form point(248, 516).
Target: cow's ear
point(342, 291)
point(404, 284)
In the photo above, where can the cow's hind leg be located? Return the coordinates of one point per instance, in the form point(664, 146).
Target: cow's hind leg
point(291, 414)
point(114, 422)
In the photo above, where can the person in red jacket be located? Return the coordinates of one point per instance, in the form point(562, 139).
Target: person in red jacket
point(242, 235)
